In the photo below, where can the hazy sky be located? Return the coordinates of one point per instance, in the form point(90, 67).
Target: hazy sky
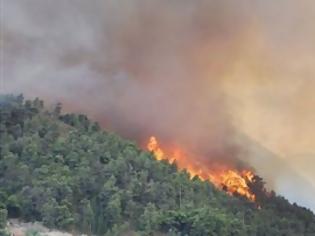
point(197, 73)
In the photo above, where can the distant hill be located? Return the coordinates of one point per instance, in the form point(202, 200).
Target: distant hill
point(279, 174)
point(64, 171)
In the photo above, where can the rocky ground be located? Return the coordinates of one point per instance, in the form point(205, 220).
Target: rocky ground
point(17, 228)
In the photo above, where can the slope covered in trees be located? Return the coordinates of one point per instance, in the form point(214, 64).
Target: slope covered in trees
point(66, 172)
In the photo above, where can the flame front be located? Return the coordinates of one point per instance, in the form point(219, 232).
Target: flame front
point(232, 181)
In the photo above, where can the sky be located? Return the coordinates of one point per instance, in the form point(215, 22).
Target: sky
point(201, 74)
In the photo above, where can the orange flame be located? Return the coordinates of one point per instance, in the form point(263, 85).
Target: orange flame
point(232, 181)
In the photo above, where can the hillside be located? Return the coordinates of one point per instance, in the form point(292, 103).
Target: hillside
point(65, 171)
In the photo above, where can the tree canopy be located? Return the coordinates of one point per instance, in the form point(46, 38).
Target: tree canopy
point(65, 171)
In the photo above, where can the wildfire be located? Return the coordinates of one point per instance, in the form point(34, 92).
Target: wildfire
point(233, 181)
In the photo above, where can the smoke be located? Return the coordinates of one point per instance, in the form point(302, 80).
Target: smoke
point(192, 72)
point(141, 68)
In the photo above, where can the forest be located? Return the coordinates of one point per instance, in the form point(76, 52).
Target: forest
point(65, 171)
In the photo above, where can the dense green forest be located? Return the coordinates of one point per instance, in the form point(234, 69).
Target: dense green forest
point(66, 172)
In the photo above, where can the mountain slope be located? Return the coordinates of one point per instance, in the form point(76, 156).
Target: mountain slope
point(279, 173)
point(64, 171)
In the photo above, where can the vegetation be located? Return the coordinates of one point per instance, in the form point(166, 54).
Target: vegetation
point(66, 172)
point(32, 232)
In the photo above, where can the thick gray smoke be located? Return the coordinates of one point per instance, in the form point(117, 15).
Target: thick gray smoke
point(191, 72)
point(139, 67)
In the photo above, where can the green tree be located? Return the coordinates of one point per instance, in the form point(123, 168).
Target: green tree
point(3, 218)
point(150, 219)
point(85, 217)
point(113, 211)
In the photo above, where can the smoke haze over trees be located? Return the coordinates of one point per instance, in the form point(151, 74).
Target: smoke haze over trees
point(217, 68)
point(66, 172)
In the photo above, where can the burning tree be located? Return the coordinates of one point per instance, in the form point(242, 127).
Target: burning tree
point(232, 180)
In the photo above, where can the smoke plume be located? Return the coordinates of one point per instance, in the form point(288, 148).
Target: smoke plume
point(193, 73)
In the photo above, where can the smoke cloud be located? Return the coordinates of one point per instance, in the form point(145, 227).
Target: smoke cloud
point(193, 73)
